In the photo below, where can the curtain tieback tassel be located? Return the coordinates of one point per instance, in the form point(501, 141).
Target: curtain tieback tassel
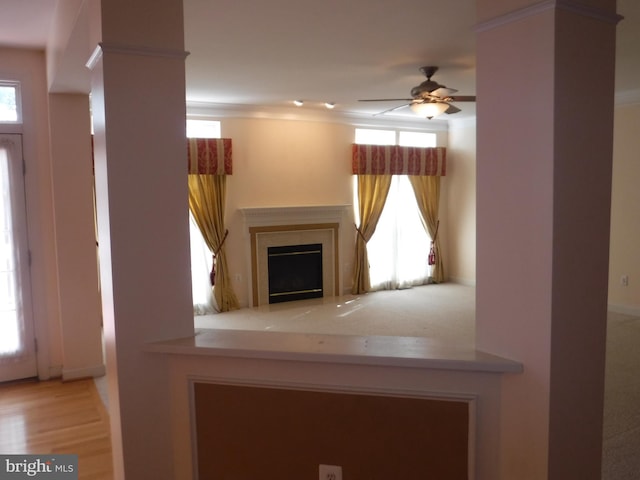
point(361, 235)
point(432, 250)
point(212, 275)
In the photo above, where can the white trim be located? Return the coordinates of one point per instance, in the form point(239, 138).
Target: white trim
point(193, 431)
point(207, 110)
point(11, 128)
point(544, 6)
point(329, 252)
point(377, 351)
point(94, 58)
point(325, 387)
point(289, 215)
point(15, 84)
point(54, 371)
point(86, 372)
point(103, 48)
point(625, 309)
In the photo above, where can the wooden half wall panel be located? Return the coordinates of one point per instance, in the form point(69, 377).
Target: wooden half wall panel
point(264, 433)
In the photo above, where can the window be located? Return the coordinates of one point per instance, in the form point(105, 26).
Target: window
point(10, 108)
point(416, 139)
point(201, 258)
point(203, 129)
point(398, 250)
point(370, 136)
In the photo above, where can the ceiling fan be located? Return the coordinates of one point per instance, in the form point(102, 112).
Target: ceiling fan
point(429, 99)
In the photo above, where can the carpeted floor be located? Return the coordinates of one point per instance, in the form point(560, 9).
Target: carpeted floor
point(447, 312)
point(621, 433)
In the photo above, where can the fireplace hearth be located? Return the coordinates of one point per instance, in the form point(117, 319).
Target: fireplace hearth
point(295, 272)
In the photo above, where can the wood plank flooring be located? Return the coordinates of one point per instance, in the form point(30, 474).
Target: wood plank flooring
point(57, 417)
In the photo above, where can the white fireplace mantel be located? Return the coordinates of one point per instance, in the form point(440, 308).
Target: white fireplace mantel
point(292, 225)
point(293, 215)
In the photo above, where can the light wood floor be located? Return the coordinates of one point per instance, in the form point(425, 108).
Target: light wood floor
point(57, 417)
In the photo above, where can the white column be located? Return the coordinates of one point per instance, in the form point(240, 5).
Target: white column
point(138, 93)
point(545, 121)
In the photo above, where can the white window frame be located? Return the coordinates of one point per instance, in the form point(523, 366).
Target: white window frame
point(16, 86)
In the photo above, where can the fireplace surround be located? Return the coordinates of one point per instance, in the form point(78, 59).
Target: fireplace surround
point(270, 227)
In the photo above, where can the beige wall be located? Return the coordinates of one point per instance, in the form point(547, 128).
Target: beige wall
point(66, 303)
point(278, 162)
point(461, 202)
point(28, 67)
point(76, 254)
point(624, 255)
point(288, 162)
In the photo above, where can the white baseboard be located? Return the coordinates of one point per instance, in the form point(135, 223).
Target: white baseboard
point(87, 372)
point(54, 371)
point(625, 309)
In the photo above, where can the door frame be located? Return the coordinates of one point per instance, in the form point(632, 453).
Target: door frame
point(26, 364)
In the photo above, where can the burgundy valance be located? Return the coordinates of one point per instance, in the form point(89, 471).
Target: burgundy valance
point(209, 156)
point(397, 160)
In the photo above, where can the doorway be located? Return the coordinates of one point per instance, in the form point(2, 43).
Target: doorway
point(17, 340)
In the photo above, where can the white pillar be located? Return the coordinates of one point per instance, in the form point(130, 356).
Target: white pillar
point(138, 93)
point(545, 120)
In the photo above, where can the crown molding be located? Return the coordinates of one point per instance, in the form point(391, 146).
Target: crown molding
point(208, 110)
point(465, 122)
point(103, 48)
point(546, 5)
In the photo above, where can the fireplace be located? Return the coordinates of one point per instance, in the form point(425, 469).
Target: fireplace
point(291, 227)
point(295, 272)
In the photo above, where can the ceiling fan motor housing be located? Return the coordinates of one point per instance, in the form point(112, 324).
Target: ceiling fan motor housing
point(425, 88)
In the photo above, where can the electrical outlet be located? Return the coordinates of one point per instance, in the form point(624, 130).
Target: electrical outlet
point(624, 280)
point(330, 472)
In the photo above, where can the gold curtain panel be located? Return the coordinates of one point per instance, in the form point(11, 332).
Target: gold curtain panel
point(397, 160)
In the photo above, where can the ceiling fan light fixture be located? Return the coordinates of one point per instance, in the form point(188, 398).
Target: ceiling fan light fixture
point(298, 103)
point(330, 105)
point(429, 109)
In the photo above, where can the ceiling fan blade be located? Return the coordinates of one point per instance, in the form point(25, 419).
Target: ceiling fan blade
point(443, 92)
point(386, 100)
point(463, 98)
point(391, 109)
point(452, 109)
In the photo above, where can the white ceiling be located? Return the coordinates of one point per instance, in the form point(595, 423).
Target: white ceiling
point(268, 53)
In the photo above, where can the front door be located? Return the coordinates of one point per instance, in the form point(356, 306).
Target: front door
point(17, 345)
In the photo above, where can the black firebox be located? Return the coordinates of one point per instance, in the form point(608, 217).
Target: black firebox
point(295, 272)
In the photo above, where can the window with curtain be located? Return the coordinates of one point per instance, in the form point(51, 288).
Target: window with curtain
point(201, 260)
point(398, 250)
